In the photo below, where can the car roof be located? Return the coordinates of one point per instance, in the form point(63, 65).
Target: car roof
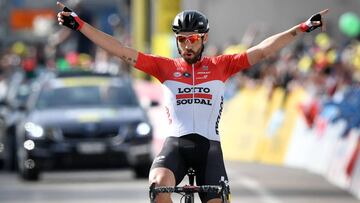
point(85, 81)
point(80, 73)
point(75, 78)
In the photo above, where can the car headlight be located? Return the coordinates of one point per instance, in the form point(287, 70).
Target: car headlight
point(34, 130)
point(143, 129)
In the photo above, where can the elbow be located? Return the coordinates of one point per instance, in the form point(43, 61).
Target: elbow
point(263, 54)
point(257, 54)
point(267, 52)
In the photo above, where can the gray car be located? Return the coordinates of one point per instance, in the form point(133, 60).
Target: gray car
point(83, 121)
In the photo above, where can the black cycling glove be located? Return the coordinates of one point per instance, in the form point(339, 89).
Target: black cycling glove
point(309, 25)
point(73, 21)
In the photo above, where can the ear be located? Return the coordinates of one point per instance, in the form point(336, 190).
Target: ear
point(206, 37)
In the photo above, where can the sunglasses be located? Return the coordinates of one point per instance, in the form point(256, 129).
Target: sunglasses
point(192, 38)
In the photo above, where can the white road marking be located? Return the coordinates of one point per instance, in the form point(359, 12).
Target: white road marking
point(251, 184)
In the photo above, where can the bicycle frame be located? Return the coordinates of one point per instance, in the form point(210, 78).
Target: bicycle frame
point(188, 190)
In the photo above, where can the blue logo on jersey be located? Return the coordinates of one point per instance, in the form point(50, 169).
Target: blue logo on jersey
point(187, 75)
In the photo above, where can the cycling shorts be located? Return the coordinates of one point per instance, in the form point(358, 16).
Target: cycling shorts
point(193, 150)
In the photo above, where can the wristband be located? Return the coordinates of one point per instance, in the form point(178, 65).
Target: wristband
point(304, 27)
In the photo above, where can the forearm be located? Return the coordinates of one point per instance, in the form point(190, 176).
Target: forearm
point(276, 42)
point(110, 44)
point(280, 40)
point(272, 44)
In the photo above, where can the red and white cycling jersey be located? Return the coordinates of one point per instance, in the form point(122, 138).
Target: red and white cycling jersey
point(193, 93)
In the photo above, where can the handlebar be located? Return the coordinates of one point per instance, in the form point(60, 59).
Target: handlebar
point(188, 189)
point(222, 189)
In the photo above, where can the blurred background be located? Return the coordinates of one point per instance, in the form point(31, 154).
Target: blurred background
point(298, 109)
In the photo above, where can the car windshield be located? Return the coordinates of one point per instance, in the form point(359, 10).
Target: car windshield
point(85, 96)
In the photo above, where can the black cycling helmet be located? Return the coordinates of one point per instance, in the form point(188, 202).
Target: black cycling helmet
point(190, 21)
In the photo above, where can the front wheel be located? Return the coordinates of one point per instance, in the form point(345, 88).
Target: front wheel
point(225, 192)
point(189, 198)
point(225, 197)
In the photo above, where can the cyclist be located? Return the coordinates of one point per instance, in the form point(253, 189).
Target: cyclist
point(193, 87)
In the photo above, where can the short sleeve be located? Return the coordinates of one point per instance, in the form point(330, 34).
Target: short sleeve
point(151, 64)
point(233, 63)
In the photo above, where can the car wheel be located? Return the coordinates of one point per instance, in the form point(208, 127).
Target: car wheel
point(1, 164)
point(10, 162)
point(2, 144)
point(28, 169)
point(142, 171)
point(30, 174)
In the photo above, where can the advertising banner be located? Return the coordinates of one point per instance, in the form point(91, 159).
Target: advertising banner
point(243, 123)
point(276, 142)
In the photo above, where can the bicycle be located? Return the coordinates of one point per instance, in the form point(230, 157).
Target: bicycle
point(188, 191)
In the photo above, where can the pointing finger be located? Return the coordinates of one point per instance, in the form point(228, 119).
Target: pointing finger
point(62, 6)
point(323, 12)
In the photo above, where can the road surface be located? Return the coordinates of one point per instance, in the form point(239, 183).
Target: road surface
point(250, 183)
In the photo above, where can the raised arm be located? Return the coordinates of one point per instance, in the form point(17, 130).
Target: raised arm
point(69, 19)
point(280, 40)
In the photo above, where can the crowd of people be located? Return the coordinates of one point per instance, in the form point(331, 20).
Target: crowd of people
point(319, 63)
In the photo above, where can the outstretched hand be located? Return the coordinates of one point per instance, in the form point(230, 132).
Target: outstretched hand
point(62, 13)
point(323, 13)
point(315, 21)
point(68, 18)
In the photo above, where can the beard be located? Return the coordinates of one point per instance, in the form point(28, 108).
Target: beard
point(194, 58)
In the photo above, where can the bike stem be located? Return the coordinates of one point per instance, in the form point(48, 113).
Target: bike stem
point(191, 174)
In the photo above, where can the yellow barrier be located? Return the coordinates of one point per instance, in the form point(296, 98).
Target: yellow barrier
point(275, 147)
point(242, 123)
point(248, 125)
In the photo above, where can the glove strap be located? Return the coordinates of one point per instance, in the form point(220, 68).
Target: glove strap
point(78, 20)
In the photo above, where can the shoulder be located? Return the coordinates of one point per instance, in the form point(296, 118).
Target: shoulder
point(231, 57)
point(216, 59)
point(153, 56)
point(144, 57)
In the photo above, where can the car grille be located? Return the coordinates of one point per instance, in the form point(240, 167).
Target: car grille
point(89, 132)
point(78, 135)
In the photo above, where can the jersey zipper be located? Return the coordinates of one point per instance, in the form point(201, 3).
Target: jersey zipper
point(193, 103)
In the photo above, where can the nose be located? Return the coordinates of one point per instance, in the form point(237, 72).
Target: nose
point(188, 44)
